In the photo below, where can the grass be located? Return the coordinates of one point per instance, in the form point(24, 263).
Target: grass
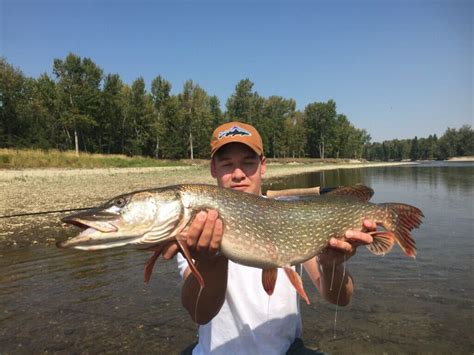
point(32, 158)
point(36, 158)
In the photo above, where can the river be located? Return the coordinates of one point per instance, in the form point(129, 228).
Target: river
point(77, 302)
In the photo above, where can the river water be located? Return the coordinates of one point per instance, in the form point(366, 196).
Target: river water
point(53, 301)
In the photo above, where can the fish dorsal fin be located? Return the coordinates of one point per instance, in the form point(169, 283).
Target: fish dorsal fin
point(360, 192)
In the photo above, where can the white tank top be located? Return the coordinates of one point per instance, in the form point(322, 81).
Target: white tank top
point(250, 321)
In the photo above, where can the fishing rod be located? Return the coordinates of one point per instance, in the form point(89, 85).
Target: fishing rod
point(44, 212)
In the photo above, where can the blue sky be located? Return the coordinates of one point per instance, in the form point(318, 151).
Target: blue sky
point(397, 68)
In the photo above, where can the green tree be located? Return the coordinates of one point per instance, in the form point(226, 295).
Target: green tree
point(240, 105)
point(160, 93)
point(343, 131)
point(198, 119)
point(172, 134)
point(78, 83)
point(275, 111)
point(414, 152)
point(12, 94)
point(465, 141)
point(320, 120)
point(216, 113)
point(138, 121)
point(110, 115)
point(295, 129)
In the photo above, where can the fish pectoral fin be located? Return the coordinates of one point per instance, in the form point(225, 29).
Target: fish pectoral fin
point(189, 259)
point(150, 263)
point(295, 280)
point(269, 278)
point(382, 242)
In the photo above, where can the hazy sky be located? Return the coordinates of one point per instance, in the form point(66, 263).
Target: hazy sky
point(397, 68)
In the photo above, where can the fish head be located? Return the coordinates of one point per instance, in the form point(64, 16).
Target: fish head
point(141, 219)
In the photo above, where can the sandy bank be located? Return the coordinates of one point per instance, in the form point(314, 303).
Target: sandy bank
point(471, 158)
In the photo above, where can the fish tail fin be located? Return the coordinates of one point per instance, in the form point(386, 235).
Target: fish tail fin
point(400, 219)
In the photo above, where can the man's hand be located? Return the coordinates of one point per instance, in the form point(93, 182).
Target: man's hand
point(326, 269)
point(341, 250)
point(203, 237)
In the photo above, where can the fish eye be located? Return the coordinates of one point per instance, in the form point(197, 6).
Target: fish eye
point(120, 202)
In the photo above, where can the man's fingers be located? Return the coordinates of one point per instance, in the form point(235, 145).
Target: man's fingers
point(341, 245)
point(358, 238)
point(207, 231)
point(170, 251)
point(195, 229)
point(369, 225)
point(216, 237)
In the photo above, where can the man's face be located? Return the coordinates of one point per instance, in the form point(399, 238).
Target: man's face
point(238, 167)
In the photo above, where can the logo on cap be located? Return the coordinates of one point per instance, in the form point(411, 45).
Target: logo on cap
point(234, 131)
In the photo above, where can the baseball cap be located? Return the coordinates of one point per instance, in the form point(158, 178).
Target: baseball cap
point(236, 132)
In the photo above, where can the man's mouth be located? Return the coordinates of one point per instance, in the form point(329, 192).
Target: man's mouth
point(239, 187)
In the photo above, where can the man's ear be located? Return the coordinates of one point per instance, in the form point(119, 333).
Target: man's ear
point(263, 164)
point(213, 168)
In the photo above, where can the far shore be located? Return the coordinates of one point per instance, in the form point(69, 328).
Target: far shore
point(470, 158)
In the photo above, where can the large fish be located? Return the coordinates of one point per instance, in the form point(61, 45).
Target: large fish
point(258, 232)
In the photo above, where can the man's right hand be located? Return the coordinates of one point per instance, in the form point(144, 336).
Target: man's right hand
point(203, 237)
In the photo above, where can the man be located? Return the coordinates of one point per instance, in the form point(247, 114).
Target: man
point(235, 313)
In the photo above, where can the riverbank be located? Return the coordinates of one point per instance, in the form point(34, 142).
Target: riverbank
point(37, 190)
point(467, 159)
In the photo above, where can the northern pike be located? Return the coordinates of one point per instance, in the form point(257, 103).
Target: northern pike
point(258, 231)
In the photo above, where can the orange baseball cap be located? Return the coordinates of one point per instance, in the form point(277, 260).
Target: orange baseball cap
point(236, 132)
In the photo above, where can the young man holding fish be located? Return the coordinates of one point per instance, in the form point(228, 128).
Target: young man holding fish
point(235, 313)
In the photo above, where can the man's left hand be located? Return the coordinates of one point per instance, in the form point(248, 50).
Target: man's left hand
point(341, 250)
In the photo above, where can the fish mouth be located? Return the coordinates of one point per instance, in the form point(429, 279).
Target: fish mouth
point(96, 218)
point(99, 231)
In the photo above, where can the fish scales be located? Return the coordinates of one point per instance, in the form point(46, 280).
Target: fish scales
point(294, 231)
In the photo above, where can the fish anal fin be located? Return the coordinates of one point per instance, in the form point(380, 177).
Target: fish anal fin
point(269, 277)
point(360, 192)
point(382, 242)
point(189, 259)
point(295, 280)
point(150, 263)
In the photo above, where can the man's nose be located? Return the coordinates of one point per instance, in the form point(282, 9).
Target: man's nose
point(238, 174)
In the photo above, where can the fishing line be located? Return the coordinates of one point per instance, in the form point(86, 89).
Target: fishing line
point(333, 270)
point(339, 292)
point(44, 212)
point(196, 305)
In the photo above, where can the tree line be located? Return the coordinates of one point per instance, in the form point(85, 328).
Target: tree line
point(80, 107)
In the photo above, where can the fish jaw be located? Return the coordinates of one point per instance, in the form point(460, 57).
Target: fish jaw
point(97, 235)
point(141, 219)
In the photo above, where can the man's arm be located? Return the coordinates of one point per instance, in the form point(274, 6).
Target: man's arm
point(327, 271)
point(203, 238)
